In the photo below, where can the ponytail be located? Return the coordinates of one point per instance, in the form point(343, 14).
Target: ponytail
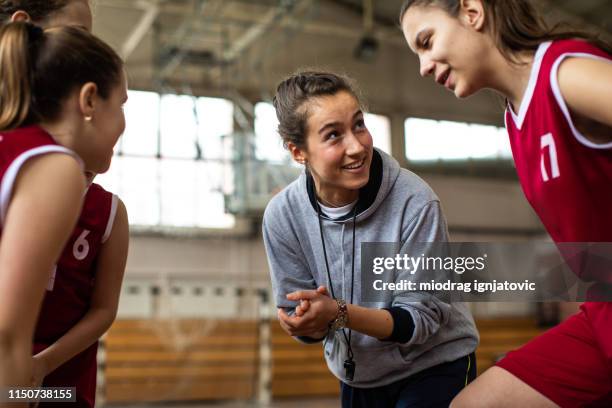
point(19, 45)
point(40, 69)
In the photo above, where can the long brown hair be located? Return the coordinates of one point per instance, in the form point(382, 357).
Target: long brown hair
point(39, 70)
point(516, 25)
point(38, 10)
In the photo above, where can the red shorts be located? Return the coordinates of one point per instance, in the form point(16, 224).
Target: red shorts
point(571, 364)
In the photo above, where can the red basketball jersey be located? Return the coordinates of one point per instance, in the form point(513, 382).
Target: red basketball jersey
point(566, 177)
point(70, 288)
point(16, 148)
point(568, 181)
point(70, 291)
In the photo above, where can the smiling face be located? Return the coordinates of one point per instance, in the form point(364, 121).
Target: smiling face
point(103, 129)
point(110, 123)
point(450, 49)
point(338, 149)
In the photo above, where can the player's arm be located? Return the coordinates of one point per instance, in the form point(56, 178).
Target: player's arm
point(109, 276)
point(44, 206)
point(586, 86)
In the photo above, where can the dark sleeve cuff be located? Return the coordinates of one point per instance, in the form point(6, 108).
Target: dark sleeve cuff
point(403, 325)
point(309, 340)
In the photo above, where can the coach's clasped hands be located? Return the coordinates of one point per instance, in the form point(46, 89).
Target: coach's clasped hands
point(312, 316)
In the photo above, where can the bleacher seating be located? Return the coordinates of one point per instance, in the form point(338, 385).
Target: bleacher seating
point(181, 360)
point(187, 360)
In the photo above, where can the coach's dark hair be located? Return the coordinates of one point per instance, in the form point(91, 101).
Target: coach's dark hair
point(292, 95)
point(38, 10)
point(515, 24)
point(39, 70)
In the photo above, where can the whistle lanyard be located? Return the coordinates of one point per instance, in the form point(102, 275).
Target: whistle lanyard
point(349, 363)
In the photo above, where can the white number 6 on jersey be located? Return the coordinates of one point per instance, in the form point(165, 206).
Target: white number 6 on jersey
point(548, 141)
point(80, 249)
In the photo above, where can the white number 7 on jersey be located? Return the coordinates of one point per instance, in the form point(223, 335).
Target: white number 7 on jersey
point(548, 141)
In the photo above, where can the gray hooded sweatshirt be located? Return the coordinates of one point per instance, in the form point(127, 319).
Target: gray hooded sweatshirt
point(395, 206)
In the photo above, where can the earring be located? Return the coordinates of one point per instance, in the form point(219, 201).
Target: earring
point(89, 118)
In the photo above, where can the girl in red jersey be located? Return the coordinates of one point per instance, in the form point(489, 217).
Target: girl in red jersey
point(557, 85)
point(83, 292)
point(53, 100)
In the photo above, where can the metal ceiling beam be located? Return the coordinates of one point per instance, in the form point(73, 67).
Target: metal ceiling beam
point(393, 37)
point(386, 31)
point(252, 34)
point(178, 51)
point(256, 31)
point(368, 16)
point(167, 7)
point(359, 10)
point(170, 59)
point(201, 37)
point(151, 11)
point(389, 36)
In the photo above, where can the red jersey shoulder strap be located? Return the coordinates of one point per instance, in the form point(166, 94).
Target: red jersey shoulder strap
point(104, 203)
point(10, 175)
point(559, 51)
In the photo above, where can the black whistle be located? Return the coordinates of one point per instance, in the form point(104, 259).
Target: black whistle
point(349, 366)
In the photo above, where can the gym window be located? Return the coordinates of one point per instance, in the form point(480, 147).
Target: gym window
point(432, 140)
point(268, 143)
point(170, 166)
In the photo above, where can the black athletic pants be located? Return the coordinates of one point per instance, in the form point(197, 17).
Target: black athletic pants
point(434, 387)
